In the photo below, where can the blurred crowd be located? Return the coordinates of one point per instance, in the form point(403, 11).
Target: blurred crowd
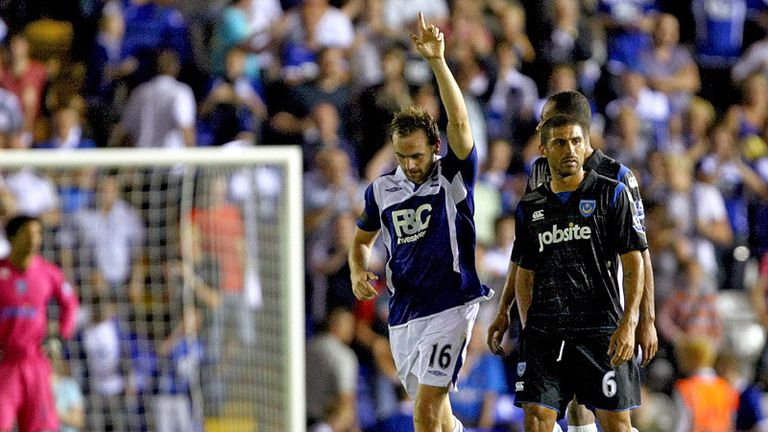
point(679, 92)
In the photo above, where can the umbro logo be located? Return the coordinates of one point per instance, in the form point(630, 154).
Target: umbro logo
point(393, 189)
point(538, 215)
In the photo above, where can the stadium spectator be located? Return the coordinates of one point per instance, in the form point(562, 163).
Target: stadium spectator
point(739, 372)
point(112, 236)
point(705, 401)
point(239, 27)
point(220, 227)
point(625, 141)
point(719, 38)
point(668, 66)
point(233, 108)
point(159, 113)
point(70, 403)
point(503, 158)
point(109, 372)
point(566, 38)
point(379, 103)
point(106, 69)
point(26, 78)
point(152, 26)
point(28, 284)
point(494, 264)
point(652, 107)
point(747, 119)
point(11, 120)
point(399, 14)
point(511, 109)
point(331, 189)
point(696, 125)
point(512, 17)
point(334, 369)
point(627, 27)
point(328, 264)
point(691, 312)
point(698, 209)
point(180, 355)
point(67, 131)
point(34, 193)
point(725, 168)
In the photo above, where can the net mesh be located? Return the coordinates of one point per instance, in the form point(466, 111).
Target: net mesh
point(179, 272)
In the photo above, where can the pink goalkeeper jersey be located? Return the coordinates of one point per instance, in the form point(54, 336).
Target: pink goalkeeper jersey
point(23, 299)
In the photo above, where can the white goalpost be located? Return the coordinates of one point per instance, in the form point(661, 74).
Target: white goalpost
point(189, 267)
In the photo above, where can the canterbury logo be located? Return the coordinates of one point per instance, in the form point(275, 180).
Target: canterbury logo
point(573, 232)
point(538, 215)
point(411, 225)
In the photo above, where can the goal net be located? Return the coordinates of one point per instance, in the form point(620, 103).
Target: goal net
point(188, 264)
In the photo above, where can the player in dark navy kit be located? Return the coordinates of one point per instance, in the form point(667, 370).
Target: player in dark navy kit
point(423, 210)
point(575, 104)
point(578, 324)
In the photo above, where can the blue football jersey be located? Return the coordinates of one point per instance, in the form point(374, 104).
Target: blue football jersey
point(429, 235)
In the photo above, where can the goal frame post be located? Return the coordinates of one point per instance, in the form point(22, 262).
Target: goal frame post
point(290, 159)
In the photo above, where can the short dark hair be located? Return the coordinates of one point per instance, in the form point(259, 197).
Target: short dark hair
point(559, 120)
point(413, 118)
point(16, 223)
point(571, 103)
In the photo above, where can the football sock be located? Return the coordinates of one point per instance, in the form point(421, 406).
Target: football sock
point(583, 428)
point(457, 426)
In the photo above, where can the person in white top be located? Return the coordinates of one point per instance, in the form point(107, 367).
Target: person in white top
point(160, 112)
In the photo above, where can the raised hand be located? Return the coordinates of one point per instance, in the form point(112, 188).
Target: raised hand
point(430, 41)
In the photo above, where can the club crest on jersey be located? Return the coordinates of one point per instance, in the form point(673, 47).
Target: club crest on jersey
point(21, 286)
point(521, 368)
point(587, 207)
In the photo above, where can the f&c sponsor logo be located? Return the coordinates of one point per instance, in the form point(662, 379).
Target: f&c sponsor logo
point(411, 225)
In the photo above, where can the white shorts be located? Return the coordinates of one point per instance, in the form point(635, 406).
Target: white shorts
point(431, 350)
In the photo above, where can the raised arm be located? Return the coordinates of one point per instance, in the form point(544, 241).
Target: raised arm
point(359, 255)
point(430, 44)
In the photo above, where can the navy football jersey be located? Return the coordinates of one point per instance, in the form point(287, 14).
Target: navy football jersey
point(600, 163)
point(429, 234)
point(573, 248)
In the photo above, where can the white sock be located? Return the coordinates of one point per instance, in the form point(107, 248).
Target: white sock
point(592, 427)
point(635, 430)
point(557, 428)
point(457, 426)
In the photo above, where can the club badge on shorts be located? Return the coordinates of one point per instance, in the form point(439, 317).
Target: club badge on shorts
point(520, 368)
point(587, 207)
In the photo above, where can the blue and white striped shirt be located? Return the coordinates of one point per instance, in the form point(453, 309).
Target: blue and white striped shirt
point(429, 235)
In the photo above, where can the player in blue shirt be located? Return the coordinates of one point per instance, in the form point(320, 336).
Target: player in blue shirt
point(423, 210)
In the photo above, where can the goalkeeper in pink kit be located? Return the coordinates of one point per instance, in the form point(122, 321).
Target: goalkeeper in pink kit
point(27, 283)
